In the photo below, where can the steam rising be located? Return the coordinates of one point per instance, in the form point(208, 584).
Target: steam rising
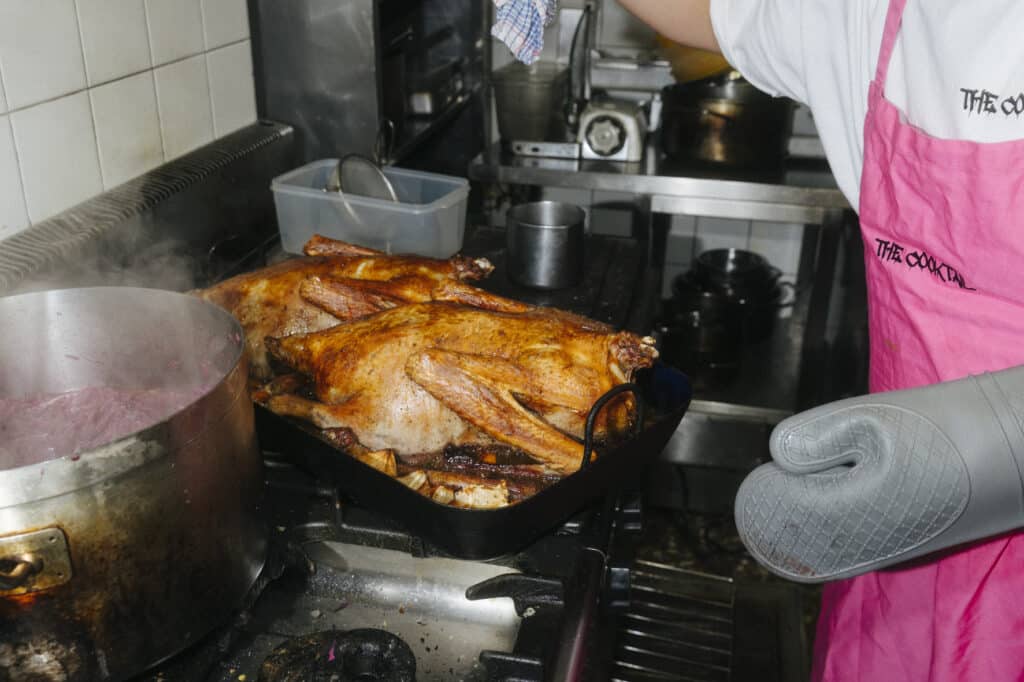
point(164, 265)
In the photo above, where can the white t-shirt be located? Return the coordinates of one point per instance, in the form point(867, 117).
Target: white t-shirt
point(957, 71)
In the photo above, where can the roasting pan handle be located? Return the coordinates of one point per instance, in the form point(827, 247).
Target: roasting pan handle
point(588, 432)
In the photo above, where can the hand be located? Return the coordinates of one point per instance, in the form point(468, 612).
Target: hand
point(873, 481)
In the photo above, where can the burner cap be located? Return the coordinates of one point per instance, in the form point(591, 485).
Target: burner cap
point(365, 655)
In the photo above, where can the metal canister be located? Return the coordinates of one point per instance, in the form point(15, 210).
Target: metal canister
point(545, 241)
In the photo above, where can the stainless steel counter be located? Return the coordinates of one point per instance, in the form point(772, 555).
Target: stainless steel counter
point(800, 192)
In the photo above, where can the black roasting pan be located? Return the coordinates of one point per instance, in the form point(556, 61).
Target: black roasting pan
point(664, 395)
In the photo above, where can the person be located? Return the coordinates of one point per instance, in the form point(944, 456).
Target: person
point(920, 109)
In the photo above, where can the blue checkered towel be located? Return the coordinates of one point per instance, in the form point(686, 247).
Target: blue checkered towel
point(520, 25)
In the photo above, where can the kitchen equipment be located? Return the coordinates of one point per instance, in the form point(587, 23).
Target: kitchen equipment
point(641, 73)
point(702, 338)
point(748, 316)
point(361, 177)
point(726, 121)
point(613, 130)
point(429, 217)
point(431, 91)
point(545, 244)
point(378, 184)
point(484, 533)
point(698, 322)
point(735, 272)
point(548, 150)
point(579, 68)
point(115, 558)
point(528, 101)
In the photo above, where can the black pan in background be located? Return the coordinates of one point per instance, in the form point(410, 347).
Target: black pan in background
point(489, 533)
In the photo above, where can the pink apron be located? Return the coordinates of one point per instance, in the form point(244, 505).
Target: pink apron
point(943, 227)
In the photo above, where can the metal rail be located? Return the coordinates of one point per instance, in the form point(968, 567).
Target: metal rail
point(679, 627)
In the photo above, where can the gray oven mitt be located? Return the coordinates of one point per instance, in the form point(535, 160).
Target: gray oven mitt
point(876, 480)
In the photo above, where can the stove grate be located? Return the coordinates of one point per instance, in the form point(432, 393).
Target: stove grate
point(678, 626)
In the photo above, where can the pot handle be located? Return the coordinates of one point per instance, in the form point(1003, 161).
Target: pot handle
point(588, 431)
point(791, 301)
point(23, 568)
point(34, 561)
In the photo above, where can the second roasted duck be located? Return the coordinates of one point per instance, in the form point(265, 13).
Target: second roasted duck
point(272, 301)
point(421, 376)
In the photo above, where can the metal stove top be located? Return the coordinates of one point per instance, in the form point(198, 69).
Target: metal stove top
point(333, 569)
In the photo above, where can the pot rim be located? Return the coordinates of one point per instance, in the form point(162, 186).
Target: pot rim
point(513, 220)
point(67, 473)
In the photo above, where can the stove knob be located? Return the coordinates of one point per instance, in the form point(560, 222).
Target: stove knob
point(605, 135)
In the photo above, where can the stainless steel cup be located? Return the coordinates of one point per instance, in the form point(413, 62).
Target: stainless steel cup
point(545, 244)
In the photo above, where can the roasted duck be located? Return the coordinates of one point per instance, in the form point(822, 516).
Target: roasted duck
point(418, 377)
point(272, 301)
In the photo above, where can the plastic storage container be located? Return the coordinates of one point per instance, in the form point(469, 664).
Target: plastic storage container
point(429, 219)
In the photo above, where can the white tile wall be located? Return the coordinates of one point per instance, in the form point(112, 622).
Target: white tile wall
point(57, 153)
point(175, 29)
point(96, 92)
point(779, 243)
point(183, 95)
point(127, 128)
point(114, 38)
point(224, 22)
point(40, 50)
point(13, 216)
point(231, 87)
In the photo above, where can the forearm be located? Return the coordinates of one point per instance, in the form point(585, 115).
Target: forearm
point(687, 22)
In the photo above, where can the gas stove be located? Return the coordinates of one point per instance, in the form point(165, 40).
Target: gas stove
point(346, 595)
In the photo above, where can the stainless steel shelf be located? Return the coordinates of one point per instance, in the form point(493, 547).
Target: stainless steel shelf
point(802, 191)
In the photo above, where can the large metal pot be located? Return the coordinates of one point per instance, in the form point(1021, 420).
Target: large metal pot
point(116, 558)
point(724, 120)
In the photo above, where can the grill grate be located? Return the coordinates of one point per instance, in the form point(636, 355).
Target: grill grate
point(679, 627)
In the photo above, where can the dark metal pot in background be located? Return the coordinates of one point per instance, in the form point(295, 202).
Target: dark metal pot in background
point(544, 240)
point(724, 120)
point(749, 318)
point(736, 273)
point(729, 299)
point(126, 554)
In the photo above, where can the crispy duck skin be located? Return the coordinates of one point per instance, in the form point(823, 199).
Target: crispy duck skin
point(417, 377)
point(271, 302)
